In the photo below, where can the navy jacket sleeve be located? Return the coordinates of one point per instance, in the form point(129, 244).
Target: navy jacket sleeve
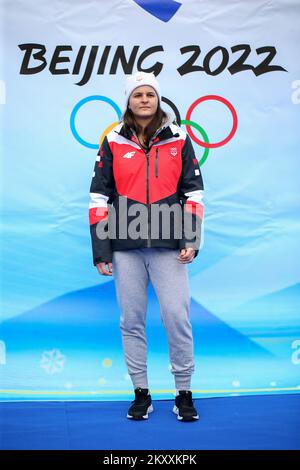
point(101, 194)
point(191, 192)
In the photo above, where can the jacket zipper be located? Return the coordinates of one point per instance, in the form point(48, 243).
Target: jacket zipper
point(156, 162)
point(148, 199)
point(147, 187)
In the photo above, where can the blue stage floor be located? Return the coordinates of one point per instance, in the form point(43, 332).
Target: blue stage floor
point(241, 422)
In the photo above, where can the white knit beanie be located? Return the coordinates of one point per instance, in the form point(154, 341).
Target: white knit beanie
point(141, 79)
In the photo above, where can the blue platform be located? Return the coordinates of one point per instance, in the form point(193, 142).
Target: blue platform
point(243, 422)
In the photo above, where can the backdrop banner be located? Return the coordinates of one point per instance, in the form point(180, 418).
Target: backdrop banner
point(230, 74)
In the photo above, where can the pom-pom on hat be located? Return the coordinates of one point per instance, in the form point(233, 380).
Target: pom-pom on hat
point(141, 79)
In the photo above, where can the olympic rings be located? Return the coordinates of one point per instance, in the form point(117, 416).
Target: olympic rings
point(204, 135)
point(187, 122)
point(107, 130)
point(234, 116)
point(173, 107)
point(76, 109)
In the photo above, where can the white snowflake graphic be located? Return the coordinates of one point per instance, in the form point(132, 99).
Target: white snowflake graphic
point(52, 361)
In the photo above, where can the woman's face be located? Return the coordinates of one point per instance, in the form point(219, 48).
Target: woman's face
point(143, 102)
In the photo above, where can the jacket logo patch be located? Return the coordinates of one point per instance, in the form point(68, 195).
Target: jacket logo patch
point(173, 151)
point(128, 155)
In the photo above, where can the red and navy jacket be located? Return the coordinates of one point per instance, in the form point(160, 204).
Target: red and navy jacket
point(166, 173)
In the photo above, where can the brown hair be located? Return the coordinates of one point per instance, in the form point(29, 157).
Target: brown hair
point(159, 117)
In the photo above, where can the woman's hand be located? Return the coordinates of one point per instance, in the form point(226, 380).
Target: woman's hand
point(186, 255)
point(103, 270)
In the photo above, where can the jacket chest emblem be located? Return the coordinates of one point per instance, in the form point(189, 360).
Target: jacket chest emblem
point(128, 154)
point(173, 151)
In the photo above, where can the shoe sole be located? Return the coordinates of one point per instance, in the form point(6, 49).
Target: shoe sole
point(182, 418)
point(149, 410)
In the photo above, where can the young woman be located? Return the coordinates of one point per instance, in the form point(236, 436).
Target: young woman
point(146, 165)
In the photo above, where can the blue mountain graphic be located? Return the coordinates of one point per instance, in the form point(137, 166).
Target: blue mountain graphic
point(89, 319)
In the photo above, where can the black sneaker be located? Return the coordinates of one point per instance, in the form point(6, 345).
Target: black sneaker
point(141, 405)
point(184, 407)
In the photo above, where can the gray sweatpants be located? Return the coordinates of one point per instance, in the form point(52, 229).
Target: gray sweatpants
point(132, 270)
